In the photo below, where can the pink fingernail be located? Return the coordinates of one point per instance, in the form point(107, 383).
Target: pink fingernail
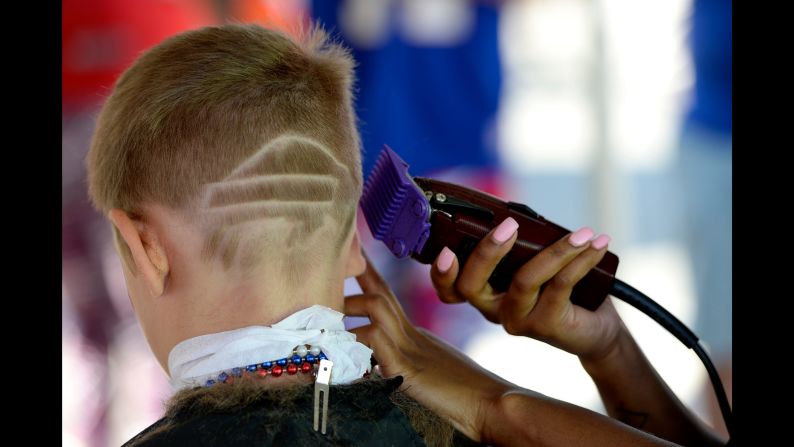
point(601, 241)
point(505, 230)
point(581, 236)
point(445, 259)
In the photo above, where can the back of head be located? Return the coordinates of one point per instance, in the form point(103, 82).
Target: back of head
point(246, 133)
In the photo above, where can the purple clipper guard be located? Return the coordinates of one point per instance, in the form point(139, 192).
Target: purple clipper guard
point(396, 209)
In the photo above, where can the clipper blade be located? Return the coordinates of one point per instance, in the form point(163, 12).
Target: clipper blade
point(396, 209)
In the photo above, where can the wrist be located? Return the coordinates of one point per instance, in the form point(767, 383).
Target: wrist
point(613, 356)
point(490, 410)
point(513, 418)
point(455, 387)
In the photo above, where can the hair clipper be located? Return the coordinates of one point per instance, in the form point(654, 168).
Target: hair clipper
point(418, 216)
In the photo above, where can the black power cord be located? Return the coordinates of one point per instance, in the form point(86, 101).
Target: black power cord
point(649, 307)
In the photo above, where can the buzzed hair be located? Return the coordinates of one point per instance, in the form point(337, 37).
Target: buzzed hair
point(250, 130)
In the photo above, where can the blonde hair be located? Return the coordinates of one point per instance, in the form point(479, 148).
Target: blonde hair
point(242, 126)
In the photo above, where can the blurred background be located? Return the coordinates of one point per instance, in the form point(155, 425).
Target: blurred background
point(610, 113)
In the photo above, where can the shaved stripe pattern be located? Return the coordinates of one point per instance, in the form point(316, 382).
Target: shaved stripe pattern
point(288, 188)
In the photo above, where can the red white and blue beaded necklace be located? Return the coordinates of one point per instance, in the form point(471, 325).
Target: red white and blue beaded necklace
point(305, 358)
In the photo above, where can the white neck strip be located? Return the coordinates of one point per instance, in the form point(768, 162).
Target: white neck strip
point(194, 361)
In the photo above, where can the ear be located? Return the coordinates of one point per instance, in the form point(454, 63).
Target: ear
point(148, 253)
point(356, 264)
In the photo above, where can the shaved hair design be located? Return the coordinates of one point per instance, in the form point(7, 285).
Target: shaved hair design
point(245, 131)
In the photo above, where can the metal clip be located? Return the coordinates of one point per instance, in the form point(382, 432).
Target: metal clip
point(321, 387)
point(448, 205)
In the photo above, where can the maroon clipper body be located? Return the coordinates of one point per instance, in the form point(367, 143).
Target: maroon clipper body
point(418, 216)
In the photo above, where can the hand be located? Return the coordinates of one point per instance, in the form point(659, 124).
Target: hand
point(537, 303)
point(435, 374)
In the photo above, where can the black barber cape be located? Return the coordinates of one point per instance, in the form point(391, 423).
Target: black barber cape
point(359, 414)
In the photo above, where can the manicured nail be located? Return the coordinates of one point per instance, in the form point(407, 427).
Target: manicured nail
point(445, 259)
point(505, 230)
point(601, 241)
point(581, 236)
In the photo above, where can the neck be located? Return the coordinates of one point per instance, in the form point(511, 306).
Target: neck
point(218, 306)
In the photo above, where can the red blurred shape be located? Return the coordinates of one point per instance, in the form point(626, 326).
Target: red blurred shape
point(103, 37)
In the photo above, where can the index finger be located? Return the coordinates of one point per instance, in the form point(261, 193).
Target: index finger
point(371, 282)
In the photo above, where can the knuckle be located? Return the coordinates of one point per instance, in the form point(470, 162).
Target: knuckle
point(510, 327)
point(517, 326)
point(558, 251)
point(524, 284)
point(484, 253)
point(509, 321)
point(563, 280)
